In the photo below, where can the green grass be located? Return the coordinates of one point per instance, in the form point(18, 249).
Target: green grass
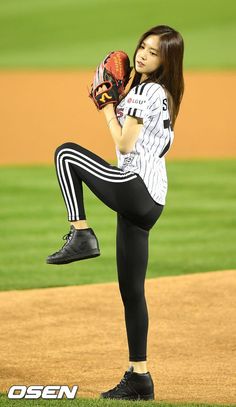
point(97, 403)
point(196, 232)
point(72, 33)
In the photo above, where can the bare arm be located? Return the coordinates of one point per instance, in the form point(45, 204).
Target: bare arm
point(126, 136)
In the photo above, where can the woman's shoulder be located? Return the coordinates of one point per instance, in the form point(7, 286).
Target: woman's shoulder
point(147, 89)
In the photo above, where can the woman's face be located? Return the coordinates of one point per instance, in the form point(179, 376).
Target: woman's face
point(147, 59)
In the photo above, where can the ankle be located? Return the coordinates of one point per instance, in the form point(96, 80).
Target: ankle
point(80, 224)
point(139, 367)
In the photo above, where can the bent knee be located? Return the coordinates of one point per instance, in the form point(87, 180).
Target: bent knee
point(68, 145)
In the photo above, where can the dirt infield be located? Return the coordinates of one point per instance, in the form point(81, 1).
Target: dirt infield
point(40, 110)
point(76, 335)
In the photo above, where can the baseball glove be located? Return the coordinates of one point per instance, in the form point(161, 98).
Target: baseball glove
point(113, 73)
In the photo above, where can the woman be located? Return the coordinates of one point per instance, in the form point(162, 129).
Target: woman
point(141, 126)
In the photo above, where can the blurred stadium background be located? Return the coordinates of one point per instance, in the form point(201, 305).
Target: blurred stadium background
point(74, 34)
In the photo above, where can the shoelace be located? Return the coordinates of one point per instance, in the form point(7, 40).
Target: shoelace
point(123, 380)
point(67, 237)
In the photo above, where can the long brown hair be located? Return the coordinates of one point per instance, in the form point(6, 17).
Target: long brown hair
point(170, 72)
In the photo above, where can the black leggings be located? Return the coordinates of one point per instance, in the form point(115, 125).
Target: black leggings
point(137, 212)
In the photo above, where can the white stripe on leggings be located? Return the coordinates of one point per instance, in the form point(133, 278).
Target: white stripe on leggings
point(73, 192)
point(68, 198)
point(94, 162)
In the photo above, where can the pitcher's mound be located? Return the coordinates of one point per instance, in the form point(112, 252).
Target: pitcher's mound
point(76, 335)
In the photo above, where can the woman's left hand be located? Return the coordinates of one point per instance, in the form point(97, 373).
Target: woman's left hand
point(101, 89)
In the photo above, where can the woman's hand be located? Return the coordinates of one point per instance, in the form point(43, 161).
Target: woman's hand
point(101, 89)
point(109, 106)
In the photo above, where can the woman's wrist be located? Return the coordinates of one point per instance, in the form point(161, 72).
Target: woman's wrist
point(109, 108)
point(109, 113)
point(110, 120)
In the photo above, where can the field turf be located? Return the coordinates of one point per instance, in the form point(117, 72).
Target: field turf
point(196, 232)
point(72, 33)
point(4, 402)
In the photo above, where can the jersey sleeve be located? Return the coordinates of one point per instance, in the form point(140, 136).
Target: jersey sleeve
point(143, 101)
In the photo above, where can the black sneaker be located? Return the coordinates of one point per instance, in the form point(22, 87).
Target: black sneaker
point(133, 386)
point(80, 244)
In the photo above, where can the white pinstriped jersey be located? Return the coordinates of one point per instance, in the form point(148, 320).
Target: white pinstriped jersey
point(148, 101)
